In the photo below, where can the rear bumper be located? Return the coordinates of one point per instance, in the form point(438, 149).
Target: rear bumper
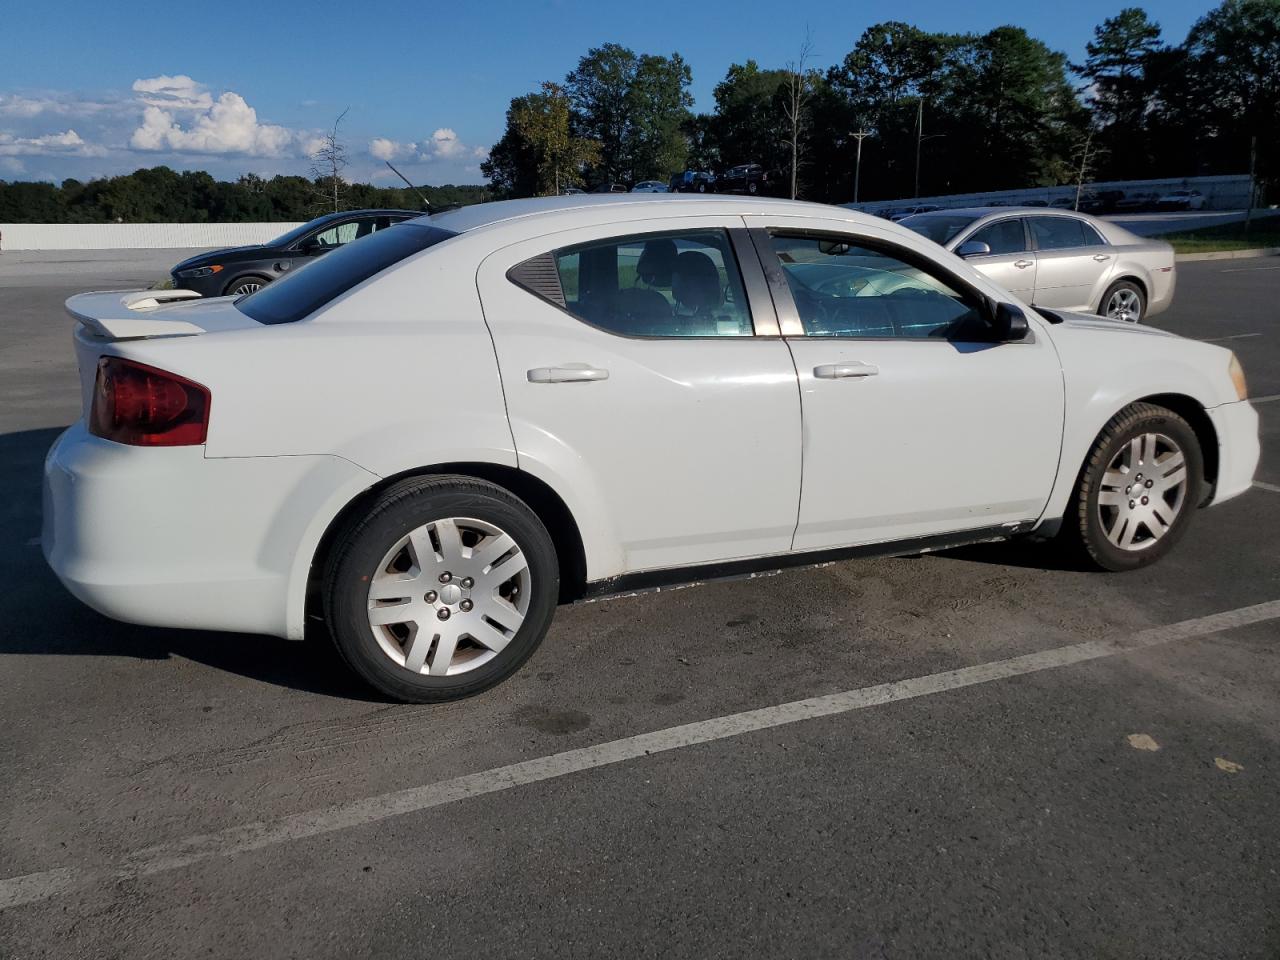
point(1239, 448)
point(167, 537)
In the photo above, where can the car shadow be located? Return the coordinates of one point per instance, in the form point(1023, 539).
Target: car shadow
point(1020, 552)
point(38, 616)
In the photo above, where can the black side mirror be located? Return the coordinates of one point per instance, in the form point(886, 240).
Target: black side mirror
point(1008, 323)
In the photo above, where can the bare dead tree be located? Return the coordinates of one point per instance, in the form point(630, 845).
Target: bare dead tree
point(799, 89)
point(327, 164)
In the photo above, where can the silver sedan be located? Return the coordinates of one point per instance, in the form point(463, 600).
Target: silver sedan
point(1059, 259)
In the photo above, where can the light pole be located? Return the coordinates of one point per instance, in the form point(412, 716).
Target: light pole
point(857, 166)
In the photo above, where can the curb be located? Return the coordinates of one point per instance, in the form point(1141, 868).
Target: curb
point(1228, 254)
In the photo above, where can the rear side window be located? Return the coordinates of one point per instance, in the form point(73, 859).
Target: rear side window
point(681, 284)
point(940, 227)
point(303, 292)
point(1005, 236)
point(1056, 233)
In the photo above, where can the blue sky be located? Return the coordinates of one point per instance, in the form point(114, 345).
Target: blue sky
point(88, 88)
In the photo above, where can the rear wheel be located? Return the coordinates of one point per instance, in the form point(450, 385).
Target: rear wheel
point(441, 590)
point(247, 284)
point(1124, 300)
point(1137, 490)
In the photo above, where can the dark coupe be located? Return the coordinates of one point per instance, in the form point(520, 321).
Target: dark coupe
point(239, 270)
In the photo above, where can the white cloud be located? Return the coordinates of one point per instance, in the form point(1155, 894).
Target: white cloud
point(67, 143)
point(443, 145)
point(62, 104)
point(380, 148)
point(173, 93)
point(230, 125)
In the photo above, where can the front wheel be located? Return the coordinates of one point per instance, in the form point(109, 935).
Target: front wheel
point(1125, 301)
point(1137, 489)
point(244, 285)
point(442, 589)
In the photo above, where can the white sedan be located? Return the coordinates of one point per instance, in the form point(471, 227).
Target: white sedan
point(426, 440)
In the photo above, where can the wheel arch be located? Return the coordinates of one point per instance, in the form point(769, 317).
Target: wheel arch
point(544, 501)
point(1130, 275)
point(244, 274)
point(1192, 411)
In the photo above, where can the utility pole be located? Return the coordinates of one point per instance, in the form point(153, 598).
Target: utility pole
point(857, 166)
point(919, 137)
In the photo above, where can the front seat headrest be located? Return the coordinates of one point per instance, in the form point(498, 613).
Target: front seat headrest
point(657, 260)
point(695, 282)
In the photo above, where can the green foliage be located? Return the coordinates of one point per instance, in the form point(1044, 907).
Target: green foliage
point(162, 195)
point(634, 107)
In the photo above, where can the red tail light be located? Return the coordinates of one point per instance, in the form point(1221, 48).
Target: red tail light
point(146, 407)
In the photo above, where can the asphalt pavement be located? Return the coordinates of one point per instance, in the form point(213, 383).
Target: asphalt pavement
point(985, 752)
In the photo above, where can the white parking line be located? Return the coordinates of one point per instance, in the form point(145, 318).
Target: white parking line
point(1266, 486)
point(1234, 336)
point(255, 836)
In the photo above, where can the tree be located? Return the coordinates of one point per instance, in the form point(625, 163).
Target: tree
point(795, 106)
point(327, 165)
point(538, 153)
point(1120, 89)
point(748, 126)
point(635, 108)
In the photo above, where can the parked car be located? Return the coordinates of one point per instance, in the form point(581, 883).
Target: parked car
point(900, 215)
point(610, 188)
point(428, 440)
point(650, 186)
point(750, 178)
point(572, 192)
point(1067, 261)
point(1136, 203)
point(1181, 200)
point(235, 271)
point(1101, 201)
point(693, 181)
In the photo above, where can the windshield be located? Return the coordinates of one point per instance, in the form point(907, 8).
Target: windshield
point(287, 238)
point(304, 291)
point(940, 228)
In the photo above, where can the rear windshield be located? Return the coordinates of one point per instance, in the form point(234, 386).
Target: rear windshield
point(302, 293)
point(938, 227)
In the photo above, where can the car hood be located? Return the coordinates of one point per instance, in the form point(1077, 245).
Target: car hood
point(1093, 322)
point(218, 256)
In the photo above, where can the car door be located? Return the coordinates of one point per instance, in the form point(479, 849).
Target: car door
point(1011, 264)
point(1072, 263)
point(638, 375)
point(915, 424)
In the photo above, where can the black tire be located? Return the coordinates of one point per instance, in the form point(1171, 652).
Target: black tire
point(405, 506)
point(1130, 286)
point(753, 187)
point(233, 288)
point(1083, 528)
point(702, 188)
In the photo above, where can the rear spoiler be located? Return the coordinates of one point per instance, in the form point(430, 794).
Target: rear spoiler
point(116, 316)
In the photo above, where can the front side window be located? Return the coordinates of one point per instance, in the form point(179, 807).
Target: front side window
point(679, 284)
point(1004, 236)
point(1057, 233)
point(938, 227)
point(842, 289)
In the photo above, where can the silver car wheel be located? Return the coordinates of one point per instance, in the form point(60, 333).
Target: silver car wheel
point(449, 596)
point(247, 287)
point(1143, 491)
point(1125, 305)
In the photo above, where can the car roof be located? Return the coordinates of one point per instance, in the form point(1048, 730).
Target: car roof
point(976, 212)
point(480, 215)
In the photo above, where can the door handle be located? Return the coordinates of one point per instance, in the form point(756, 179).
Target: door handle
point(845, 371)
point(1101, 257)
point(567, 374)
point(1023, 264)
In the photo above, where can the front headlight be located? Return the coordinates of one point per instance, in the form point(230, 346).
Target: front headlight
point(1237, 378)
point(197, 272)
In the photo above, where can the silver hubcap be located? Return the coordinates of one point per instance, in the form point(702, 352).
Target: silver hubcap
point(1125, 305)
point(449, 596)
point(247, 288)
point(1142, 491)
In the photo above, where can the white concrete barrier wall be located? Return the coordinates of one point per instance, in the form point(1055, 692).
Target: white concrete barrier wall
point(1220, 193)
point(133, 236)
